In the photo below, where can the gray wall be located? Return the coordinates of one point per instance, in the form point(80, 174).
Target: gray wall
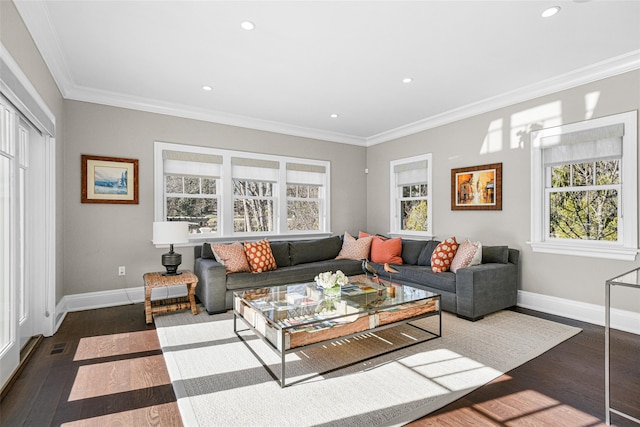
point(101, 237)
point(460, 144)
point(17, 40)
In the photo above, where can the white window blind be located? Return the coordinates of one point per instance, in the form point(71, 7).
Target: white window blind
point(306, 174)
point(254, 169)
point(411, 173)
point(603, 143)
point(195, 164)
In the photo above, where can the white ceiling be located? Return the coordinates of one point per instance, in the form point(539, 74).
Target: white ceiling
point(308, 59)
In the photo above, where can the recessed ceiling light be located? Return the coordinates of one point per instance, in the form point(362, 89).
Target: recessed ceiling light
point(551, 11)
point(407, 80)
point(247, 25)
point(334, 116)
point(207, 88)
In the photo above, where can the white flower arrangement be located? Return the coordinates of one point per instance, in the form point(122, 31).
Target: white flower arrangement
point(329, 279)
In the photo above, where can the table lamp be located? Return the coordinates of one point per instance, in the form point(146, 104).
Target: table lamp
point(170, 233)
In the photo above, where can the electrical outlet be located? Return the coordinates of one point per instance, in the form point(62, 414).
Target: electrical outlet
point(121, 270)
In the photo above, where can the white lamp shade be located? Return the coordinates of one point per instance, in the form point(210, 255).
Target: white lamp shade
point(170, 232)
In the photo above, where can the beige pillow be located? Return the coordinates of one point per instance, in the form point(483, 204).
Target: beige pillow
point(464, 255)
point(232, 256)
point(355, 249)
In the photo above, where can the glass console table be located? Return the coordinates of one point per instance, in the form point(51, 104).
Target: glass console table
point(630, 279)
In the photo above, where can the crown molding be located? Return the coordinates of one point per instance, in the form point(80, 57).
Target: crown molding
point(189, 112)
point(36, 18)
point(608, 68)
point(598, 71)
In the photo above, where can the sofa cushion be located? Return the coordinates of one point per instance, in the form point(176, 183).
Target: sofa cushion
point(302, 273)
point(497, 254)
point(280, 251)
point(445, 281)
point(355, 249)
point(232, 256)
point(411, 250)
point(260, 256)
point(443, 255)
point(426, 252)
point(464, 255)
point(304, 251)
point(207, 252)
point(386, 250)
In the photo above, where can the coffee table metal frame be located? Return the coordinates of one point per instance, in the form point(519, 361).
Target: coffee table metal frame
point(283, 330)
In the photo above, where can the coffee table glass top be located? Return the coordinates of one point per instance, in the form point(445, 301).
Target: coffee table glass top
point(300, 305)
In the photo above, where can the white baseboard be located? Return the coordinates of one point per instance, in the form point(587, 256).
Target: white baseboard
point(620, 319)
point(102, 299)
point(623, 320)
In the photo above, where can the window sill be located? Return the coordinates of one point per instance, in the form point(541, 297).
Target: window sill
point(622, 254)
point(199, 238)
point(415, 236)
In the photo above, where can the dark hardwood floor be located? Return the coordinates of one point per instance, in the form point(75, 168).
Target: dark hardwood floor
point(105, 367)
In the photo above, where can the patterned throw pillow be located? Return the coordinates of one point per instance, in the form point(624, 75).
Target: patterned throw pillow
point(260, 256)
point(355, 249)
point(443, 255)
point(231, 256)
point(464, 256)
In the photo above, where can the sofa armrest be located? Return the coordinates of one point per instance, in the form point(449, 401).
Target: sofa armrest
point(212, 284)
point(485, 288)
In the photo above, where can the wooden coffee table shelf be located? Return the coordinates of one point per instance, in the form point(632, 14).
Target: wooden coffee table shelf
point(157, 280)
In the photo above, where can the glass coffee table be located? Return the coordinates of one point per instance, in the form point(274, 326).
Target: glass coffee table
point(290, 318)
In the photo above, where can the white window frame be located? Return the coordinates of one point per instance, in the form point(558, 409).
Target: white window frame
point(626, 248)
point(226, 197)
point(395, 192)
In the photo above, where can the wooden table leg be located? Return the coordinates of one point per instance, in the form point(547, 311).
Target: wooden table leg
point(147, 304)
point(192, 298)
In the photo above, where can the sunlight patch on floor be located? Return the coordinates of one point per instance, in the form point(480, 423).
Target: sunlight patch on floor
point(116, 345)
point(151, 415)
point(102, 379)
point(530, 407)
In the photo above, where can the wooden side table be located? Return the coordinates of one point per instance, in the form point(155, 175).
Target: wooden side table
point(157, 280)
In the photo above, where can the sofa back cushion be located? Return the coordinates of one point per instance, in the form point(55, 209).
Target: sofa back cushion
point(304, 251)
point(496, 254)
point(411, 250)
point(206, 252)
point(425, 254)
point(280, 251)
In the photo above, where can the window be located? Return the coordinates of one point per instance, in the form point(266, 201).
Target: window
point(305, 195)
point(223, 193)
point(191, 189)
point(411, 205)
point(584, 187)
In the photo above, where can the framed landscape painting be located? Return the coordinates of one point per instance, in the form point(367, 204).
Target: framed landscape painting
point(109, 180)
point(477, 187)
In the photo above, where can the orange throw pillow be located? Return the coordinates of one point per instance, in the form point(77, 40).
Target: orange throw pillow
point(260, 256)
point(386, 250)
point(443, 255)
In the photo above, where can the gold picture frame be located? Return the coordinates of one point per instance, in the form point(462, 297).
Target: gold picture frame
point(109, 180)
point(477, 187)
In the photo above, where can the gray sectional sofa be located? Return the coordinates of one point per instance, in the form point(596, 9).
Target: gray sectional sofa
point(470, 293)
